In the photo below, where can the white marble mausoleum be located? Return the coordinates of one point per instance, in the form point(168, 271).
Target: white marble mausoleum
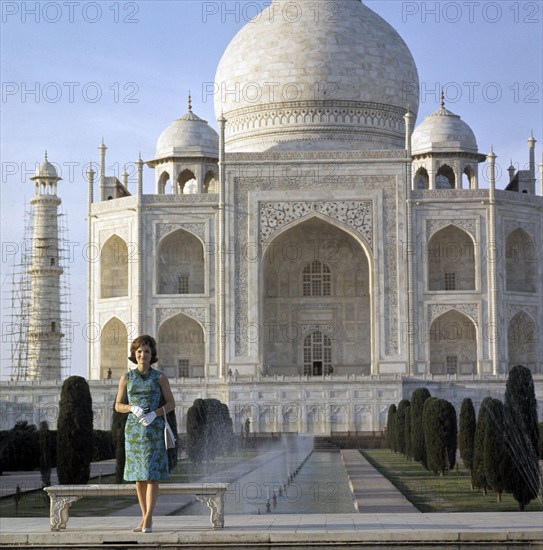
point(322, 254)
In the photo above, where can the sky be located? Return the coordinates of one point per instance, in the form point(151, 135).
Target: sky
point(76, 72)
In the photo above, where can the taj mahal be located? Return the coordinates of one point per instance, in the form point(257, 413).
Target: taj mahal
point(318, 257)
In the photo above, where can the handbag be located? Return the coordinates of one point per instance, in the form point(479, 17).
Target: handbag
point(169, 437)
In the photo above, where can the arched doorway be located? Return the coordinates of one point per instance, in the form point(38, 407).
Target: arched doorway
point(316, 300)
point(113, 350)
point(182, 347)
point(180, 264)
point(453, 344)
point(520, 262)
point(317, 354)
point(522, 341)
point(451, 261)
point(114, 268)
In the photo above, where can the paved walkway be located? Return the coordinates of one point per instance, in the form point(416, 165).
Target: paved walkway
point(300, 530)
point(372, 492)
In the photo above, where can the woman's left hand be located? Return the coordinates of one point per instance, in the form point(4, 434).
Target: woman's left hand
point(148, 418)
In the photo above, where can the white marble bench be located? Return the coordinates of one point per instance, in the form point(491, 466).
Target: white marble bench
point(63, 496)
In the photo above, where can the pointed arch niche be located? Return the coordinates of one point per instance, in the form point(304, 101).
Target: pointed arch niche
point(453, 344)
point(186, 183)
point(180, 264)
point(445, 178)
point(113, 349)
point(520, 262)
point(182, 347)
point(211, 183)
point(163, 183)
point(114, 268)
point(451, 260)
point(522, 341)
point(295, 305)
point(422, 180)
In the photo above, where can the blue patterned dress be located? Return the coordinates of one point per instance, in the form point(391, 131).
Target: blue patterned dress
point(146, 455)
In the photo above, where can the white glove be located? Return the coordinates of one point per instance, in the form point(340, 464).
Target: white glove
point(146, 419)
point(137, 411)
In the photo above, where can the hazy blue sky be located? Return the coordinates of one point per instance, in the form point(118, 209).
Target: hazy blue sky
point(74, 72)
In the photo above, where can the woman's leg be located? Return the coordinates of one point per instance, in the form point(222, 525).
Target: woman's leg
point(151, 496)
point(141, 491)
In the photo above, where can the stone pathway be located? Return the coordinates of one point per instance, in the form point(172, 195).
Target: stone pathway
point(441, 530)
point(372, 492)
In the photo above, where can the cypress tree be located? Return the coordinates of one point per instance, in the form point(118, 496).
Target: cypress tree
point(213, 428)
point(391, 429)
point(478, 478)
point(46, 453)
point(172, 453)
point(118, 423)
point(466, 435)
point(408, 446)
point(420, 395)
point(401, 413)
point(74, 434)
point(522, 435)
point(541, 441)
point(439, 419)
point(196, 431)
point(209, 430)
point(227, 430)
point(496, 457)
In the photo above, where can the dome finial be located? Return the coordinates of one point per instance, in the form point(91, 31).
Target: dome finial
point(190, 103)
point(442, 98)
point(46, 155)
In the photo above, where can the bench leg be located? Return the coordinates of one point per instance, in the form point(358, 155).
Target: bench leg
point(59, 511)
point(216, 504)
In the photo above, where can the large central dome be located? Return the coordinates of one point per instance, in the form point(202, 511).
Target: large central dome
point(309, 75)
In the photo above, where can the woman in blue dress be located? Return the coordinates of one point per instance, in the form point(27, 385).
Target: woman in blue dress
point(139, 394)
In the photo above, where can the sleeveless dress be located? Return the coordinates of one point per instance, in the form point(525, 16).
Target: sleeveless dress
point(146, 455)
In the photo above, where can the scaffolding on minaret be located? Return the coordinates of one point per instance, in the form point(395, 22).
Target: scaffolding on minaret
point(20, 303)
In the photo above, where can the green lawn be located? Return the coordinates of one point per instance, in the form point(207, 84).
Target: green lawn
point(431, 493)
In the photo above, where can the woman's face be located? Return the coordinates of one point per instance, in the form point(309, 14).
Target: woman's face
point(143, 356)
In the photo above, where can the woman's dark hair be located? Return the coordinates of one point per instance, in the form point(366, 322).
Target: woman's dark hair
point(143, 340)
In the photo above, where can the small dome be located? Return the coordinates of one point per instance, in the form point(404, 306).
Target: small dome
point(46, 171)
point(188, 136)
point(441, 132)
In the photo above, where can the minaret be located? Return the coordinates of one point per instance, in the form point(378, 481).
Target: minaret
point(44, 329)
point(531, 162)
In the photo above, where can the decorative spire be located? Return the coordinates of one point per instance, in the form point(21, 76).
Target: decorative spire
point(190, 103)
point(46, 156)
point(442, 98)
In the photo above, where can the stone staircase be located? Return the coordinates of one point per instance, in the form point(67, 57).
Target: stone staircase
point(324, 444)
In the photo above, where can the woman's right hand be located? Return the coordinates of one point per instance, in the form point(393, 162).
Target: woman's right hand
point(137, 411)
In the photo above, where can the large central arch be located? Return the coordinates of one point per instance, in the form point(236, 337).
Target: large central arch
point(315, 280)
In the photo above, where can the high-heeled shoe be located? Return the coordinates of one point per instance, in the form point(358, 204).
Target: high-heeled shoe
point(147, 529)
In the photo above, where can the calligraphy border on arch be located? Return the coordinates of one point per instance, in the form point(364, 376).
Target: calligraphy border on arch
point(195, 313)
point(163, 229)
point(470, 310)
point(513, 309)
point(467, 224)
point(275, 215)
point(386, 184)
